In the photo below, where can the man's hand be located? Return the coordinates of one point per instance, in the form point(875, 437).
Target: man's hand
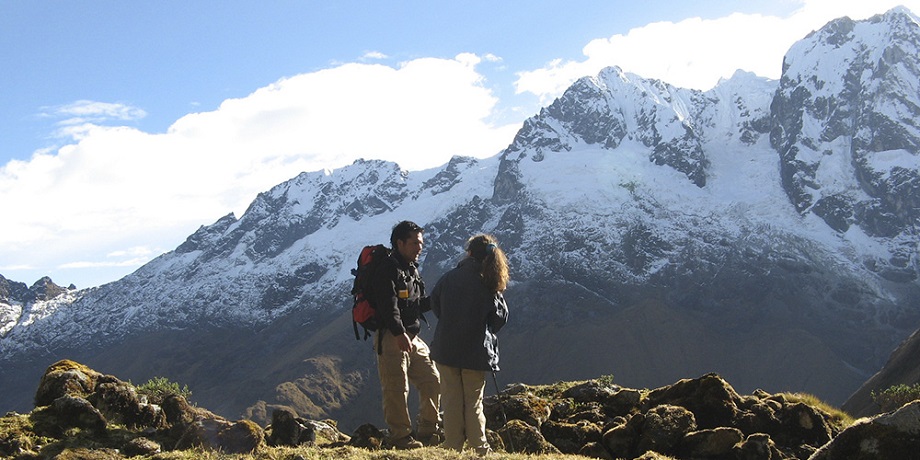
point(404, 342)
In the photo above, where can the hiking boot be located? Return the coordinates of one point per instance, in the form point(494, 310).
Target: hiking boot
point(432, 439)
point(406, 443)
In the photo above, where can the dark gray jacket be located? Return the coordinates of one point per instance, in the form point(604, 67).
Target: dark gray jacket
point(469, 316)
point(399, 315)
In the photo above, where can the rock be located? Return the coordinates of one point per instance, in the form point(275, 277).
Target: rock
point(757, 446)
point(289, 430)
point(590, 391)
point(120, 403)
point(75, 412)
point(623, 402)
point(523, 438)
point(712, 400)
point(621, 440)
point(367, 436)
point(663, 428)
point(495, 441)
point(327, 431)
point(890, 435)
point(64, 378)
point(141, 446)
point(524, 407)
point(242, 437)
point(802, 424)
point(570, 437)
point(595, 450)
point(710, 443)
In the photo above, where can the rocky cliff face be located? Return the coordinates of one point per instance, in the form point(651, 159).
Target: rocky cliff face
point(654, 232)
point(844, 125)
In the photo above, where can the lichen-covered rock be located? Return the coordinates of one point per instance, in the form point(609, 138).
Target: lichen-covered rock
point(663, 428)
point(120, 403)
point(712, 400)
point(569, 438)
point(75, 412)
point(524, 407)
point(65, 378)
point(241, 437)
point(890, 435)
point(523, 438)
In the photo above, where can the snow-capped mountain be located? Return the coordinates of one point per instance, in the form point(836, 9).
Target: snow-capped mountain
point(764, 230)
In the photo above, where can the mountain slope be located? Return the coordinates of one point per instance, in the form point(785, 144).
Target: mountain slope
point(654, 232)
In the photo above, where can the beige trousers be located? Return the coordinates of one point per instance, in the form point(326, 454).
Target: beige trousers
point(397, 369)
point(461, 399)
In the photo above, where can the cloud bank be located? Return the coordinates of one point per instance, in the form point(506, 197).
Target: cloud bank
point(130, 195)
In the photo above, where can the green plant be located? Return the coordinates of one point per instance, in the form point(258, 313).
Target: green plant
point(606, 380)
point(158, 388)
point(896, 396)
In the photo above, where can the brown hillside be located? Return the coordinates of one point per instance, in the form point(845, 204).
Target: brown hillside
point(903, 367)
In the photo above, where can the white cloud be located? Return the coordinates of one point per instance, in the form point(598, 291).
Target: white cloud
point(112, 187)
point(374, 55)
point(695, 52)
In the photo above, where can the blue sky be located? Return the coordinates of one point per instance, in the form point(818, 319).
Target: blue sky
point(126, 125)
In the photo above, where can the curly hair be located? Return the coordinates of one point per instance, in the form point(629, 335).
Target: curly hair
point(493, 263)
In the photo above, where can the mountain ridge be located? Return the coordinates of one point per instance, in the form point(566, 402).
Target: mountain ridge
point(628, 202)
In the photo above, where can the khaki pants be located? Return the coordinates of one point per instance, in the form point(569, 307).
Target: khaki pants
point(461, 396)
point(397, 369)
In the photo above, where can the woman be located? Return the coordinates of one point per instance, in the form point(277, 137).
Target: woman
point(470, 308)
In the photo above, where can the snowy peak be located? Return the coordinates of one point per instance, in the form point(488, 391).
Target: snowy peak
point(844, 124)
point(672, 123)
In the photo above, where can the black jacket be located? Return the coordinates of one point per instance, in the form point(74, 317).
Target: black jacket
point(469, 316)
point(399, 315)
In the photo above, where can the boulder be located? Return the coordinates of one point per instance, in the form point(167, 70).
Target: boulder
point(623, 402)
point(710, 443)
point(525, 407)
point(569, 438)
point(65, 378)
point(289, 430)
point(120, 403)
point(891, 435)
point(663, 428)
point(712, 400)
point(520, 437)
point(76, 412)
point(758, 446)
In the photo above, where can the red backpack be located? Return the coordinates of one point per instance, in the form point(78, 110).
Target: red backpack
point(363, 311)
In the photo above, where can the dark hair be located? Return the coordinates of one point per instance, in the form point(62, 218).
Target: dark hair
point(493, 263)
point(402, 231)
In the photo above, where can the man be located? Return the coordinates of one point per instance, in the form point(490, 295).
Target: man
point(402, 356)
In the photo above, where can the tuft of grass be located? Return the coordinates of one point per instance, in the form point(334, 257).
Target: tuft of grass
point(354, 453)
point(838, 417)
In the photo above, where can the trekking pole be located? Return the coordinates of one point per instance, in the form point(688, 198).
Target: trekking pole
point(501, 407)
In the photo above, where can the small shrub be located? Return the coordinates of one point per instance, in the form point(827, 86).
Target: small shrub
point(896, 396)
point(606, 380)
point(158, 388)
